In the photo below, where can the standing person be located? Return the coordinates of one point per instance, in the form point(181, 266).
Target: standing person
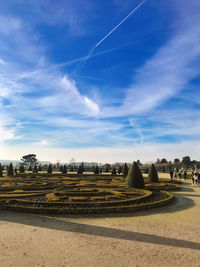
point(192, 177)
point(198, 174)
point(179, 174)
point(175, 175)
point(185, 175)
point(195, 177)
point(171, 174)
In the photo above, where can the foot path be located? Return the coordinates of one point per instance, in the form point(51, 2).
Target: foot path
point(167, 236)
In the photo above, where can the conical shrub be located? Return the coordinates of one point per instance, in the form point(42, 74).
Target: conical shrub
point(21, 168)
point(114, 171)
point(10, 171)
point(135, 178)
point(125, 171)
point(1, 171)
point(153, 175)
point(35, 169)
point(64, 169)
point(49, 170)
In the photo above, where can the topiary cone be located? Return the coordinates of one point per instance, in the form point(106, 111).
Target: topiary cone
point(153, 175)
point(135, 178)
point(125, 171)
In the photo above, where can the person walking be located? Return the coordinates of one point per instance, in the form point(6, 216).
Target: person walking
point(185, 175)
point(179, 174)
point(195, 177)
point(175, 175)
point(171, 174)
point(198, 174)
point(192, 177)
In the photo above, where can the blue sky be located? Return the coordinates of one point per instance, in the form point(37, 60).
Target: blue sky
point(135, 95)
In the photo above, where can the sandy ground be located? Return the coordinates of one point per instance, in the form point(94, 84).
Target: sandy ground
point(168, 236)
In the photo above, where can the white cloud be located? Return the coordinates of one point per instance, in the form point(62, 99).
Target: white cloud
point(93, 107)
point(164, 75)
point(8, 134)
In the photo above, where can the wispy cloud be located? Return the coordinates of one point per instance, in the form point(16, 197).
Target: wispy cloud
point(164, 75)
point(43, 106)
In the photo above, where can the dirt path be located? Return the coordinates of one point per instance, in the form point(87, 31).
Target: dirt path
point(168, 236)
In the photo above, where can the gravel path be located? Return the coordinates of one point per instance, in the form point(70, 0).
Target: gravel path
point(168, 236)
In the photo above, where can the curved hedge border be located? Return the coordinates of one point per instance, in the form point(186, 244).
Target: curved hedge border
point(80, 194)
point(146, 195)
point(169, 197)
point(162, 186)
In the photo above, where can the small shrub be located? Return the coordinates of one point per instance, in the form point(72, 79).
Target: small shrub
point(153, 175)
point(64, 169)
point(49, 170)
point(10, 171)
point(125, 171)
point(135, 178)
point(1, 171)
point(114, 171)
point(21, 168)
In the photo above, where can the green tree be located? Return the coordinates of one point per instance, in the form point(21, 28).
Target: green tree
point(29, 160)
point(49, 170)
point(96, 170)
point(35, 169)
point(107, 169)
point(125, 171)
point(61, 169)
point(153, 175)
point(176, 161)
point(114, 171)
point(135, 178)
point(1, 171)
point(80, 170)
point(163, 161)
point(186, 161)
point(82, 167)
point(21, 168)
point(10, 171)
point(64, 169)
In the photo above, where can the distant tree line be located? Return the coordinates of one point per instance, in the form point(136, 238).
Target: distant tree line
point(29, 163)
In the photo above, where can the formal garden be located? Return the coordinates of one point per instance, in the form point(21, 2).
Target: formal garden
point(82, 193)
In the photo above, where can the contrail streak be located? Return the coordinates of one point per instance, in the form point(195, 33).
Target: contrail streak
point(133, 11)
point(80, 66)
point(85, 59)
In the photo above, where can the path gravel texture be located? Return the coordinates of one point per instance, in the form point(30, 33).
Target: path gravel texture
point(167, 236)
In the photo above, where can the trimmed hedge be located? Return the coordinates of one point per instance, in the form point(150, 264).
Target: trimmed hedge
point(134, 177)
point(78, 194)
point(153, 175)
point(136, 200)
point(94, 210)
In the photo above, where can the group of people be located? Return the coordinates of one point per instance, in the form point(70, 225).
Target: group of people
point(195, 175)
point(178, 174)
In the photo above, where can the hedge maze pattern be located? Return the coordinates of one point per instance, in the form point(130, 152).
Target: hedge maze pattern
point(50, 194)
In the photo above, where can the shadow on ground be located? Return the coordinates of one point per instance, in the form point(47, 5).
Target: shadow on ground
point(58, 224)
